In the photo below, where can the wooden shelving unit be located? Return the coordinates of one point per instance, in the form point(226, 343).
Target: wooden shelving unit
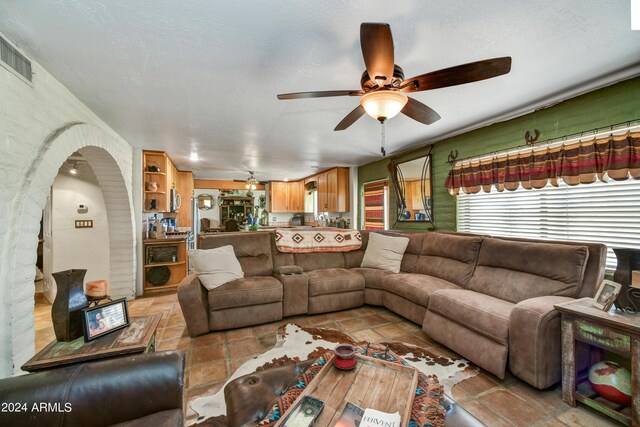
point(233, 207)
point(159, 160)
point(177, 269)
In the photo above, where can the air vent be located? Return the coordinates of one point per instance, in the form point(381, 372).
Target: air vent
point(14, 59)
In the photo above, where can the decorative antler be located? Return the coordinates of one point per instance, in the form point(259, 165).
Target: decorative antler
point(529, 140)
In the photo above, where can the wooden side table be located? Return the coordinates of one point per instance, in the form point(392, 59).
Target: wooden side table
point(138, 337)
point(586, 333)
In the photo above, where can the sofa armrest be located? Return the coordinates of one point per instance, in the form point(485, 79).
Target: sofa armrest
point(535, 346)
point(288, 269)
point(295, 289)
point(194, 304)
point(99, 393)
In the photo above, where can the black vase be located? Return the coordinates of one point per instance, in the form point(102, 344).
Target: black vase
point(70, 300)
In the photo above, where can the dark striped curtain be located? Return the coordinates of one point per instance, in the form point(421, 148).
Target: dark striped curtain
point(374, 200)
point(581, 162)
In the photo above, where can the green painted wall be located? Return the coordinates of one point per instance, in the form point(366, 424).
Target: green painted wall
point(613, 104)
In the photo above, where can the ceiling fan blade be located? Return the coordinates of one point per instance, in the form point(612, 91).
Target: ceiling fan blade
point(351, 118)
point(320, 94)
point(239, 180)
point(420, 112)
point(460, 74)
point(377, 50)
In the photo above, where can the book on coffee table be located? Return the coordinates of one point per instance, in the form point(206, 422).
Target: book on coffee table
point(355, 416)
point(375, 418)
point(351, 416)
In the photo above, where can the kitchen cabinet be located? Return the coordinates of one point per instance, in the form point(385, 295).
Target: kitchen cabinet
point(278, 194)
point(286, 196)
point(333, 190)
point(165, 263)
point(412, 195)
point(295, 196)
point(323, 201)
point(185, 190)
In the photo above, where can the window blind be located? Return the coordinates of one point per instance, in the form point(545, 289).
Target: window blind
point(375, 205)
point(606, 213)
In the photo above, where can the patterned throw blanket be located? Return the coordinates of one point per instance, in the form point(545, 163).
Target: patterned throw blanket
point(428, 403)
point(317, 240)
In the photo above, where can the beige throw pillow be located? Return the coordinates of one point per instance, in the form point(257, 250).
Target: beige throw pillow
point(384, 252)
point(215, 267)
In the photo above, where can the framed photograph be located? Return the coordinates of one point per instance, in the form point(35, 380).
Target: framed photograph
point(104, 318)
point(607, 294)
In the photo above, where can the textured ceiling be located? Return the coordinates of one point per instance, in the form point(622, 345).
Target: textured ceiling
point(202, 76)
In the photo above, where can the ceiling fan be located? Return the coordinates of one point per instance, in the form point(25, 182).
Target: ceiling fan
point(250, 183)
point(384, 86)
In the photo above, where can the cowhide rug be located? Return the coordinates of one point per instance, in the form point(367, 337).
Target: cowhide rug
point(296, 344)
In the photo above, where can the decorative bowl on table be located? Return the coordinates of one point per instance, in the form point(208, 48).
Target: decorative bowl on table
point(611, 381)
point(96, 289)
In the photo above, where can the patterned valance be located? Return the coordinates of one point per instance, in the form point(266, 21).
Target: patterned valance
point(581, 162)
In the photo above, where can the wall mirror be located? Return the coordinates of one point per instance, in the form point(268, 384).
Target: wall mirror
point(205, 202)
point(412, 185)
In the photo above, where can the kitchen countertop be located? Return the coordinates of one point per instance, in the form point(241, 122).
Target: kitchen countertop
point(165, 239)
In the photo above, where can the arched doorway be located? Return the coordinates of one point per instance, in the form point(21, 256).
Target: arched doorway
point(110, 158)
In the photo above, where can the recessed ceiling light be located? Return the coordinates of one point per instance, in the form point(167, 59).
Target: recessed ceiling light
point(194, 157)
point(74, 169)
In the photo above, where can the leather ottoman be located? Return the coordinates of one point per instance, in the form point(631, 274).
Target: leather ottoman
point(248, 398)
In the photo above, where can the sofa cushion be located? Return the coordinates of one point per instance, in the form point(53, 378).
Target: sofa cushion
point(515, 271)
point(372, 276)
point(484, 314)
point(450, 257)
point(333, 281)
point(215, 267)
point(384, 252)
point(415, 287)
point(245, 292)
point(252, 249)
point(319, 261)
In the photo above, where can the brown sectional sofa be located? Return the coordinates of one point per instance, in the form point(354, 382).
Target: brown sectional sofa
point(488, 299)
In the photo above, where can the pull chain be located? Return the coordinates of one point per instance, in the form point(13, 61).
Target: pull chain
point(382, 133)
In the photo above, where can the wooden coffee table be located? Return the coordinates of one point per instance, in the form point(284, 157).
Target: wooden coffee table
point(138, 337)
point(373, 383)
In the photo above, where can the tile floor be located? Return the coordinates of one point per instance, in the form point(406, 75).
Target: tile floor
point(508, 402)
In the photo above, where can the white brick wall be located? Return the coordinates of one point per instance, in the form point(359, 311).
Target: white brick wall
point(40, 126)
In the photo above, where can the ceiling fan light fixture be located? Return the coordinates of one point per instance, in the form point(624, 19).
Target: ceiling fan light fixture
point(251, 183)
point(383, 104)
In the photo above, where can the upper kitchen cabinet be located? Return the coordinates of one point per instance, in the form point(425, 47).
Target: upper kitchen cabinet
point(185, 190)
point(286, 196)
point(333, 190)
point(295, 196)
point(278, 194)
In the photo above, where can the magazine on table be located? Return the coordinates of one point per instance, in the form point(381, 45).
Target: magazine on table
point(355, 416)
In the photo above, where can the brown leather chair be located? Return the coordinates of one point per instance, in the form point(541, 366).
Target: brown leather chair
point(205, 224)
point(140, 390)
point(231, 225)
point(248, 398)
